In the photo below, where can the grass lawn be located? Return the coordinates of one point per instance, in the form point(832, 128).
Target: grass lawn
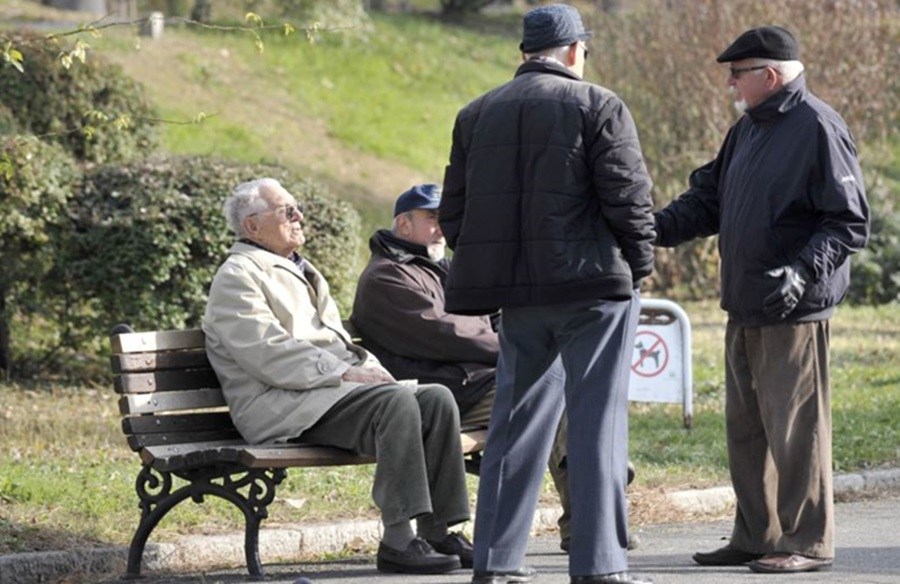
point(67, 477)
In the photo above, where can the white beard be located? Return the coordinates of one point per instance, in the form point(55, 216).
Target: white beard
point(436, 251)
point(739, 104)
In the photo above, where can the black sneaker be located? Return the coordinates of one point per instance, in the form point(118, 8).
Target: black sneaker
point(455, 544)
point(418, 558)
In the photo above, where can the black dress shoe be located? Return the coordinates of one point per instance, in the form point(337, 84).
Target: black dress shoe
point(725, 556)
point(616, 578)
point(523, 574)
point(418, 558)
point(455, 544)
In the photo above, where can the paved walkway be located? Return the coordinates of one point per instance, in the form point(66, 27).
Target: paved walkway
point(868, 552)
point(868, 548)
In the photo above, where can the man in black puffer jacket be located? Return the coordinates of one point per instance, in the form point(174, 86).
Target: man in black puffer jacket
point(786, 196)
point(547, 208)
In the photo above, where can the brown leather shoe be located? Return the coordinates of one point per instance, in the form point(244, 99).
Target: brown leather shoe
point(784, 563)
point(725, 556)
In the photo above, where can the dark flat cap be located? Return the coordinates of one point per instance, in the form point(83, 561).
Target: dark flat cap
point(765, 42)
point(554, 25)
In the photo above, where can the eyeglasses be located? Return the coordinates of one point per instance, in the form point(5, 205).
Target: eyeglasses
point(736, 72)
point(586, 50)
point(291, 210)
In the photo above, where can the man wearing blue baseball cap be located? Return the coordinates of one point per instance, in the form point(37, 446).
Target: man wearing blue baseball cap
point(547, 208)
point(400, 313)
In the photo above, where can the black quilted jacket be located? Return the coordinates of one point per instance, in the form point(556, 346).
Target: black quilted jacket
point(546, 198)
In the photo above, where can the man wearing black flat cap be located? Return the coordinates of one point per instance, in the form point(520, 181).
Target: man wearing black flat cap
point(785, 194)
point(547, 207)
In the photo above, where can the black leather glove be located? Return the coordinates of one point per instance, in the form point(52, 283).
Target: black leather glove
point(785, 298)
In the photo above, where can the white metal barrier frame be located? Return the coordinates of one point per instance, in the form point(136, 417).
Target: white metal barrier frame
point(661, 362)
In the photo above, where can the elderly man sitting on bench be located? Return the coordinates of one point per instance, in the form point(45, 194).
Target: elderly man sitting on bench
point(289, 371)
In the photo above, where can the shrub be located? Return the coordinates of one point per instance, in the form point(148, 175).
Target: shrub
point(8, 123)
point(55, 103)
point(149, 236)
point(36, 180)
point(876, 269)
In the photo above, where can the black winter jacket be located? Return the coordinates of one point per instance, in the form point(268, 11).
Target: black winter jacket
point(785, 186)
point(546, 198)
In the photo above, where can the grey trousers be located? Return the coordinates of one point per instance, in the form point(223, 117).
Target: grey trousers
point(414, 437)
point(778, 425)
point(592, 342)
point(480, 415)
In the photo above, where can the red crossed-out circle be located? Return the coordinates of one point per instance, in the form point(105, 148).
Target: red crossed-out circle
point(656, 343)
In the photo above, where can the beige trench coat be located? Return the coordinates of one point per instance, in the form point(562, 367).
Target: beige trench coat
point(275, 339)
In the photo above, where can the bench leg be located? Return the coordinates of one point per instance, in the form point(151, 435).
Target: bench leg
point(154, 489)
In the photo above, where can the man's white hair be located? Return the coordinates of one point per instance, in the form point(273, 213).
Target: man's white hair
point(789, 70)
point(244, 200)
point(395, 224)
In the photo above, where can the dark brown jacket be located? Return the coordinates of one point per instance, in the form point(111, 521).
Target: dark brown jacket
point(399, 313)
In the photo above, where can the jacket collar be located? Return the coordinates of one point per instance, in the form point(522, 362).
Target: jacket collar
point(790, 96)
point(385, 243)
point(265, 259)
point(546, 66)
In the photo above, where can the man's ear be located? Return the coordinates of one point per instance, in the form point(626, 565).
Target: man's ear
point(403, 227)
point(572, 54)
point(250, 226)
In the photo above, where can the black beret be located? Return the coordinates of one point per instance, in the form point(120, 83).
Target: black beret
point(765, 42)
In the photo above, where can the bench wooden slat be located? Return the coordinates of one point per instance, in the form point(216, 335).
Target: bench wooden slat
point(165, 381)
point(176, 423)
point(170, 401)
point(299, 455)
point(473, 440)
point(157, 341)
point(138, 441)
point(180, 456)
point(137, 362)
point(183, 456)
point(174, 457)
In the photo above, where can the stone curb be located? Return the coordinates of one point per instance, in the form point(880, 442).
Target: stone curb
point(194, 553)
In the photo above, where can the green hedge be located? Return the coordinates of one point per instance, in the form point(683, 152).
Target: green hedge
point(8, 123)
point(36, 180)
point(149, 236)
point(53, 103)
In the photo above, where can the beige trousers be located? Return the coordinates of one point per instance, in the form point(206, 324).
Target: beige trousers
point(778, 426)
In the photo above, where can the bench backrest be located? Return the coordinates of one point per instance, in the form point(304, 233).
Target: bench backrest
point(169, 393)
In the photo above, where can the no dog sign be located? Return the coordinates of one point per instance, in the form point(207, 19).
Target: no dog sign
point(661, 356)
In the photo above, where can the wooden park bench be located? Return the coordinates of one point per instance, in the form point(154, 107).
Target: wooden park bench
point(175, 417)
